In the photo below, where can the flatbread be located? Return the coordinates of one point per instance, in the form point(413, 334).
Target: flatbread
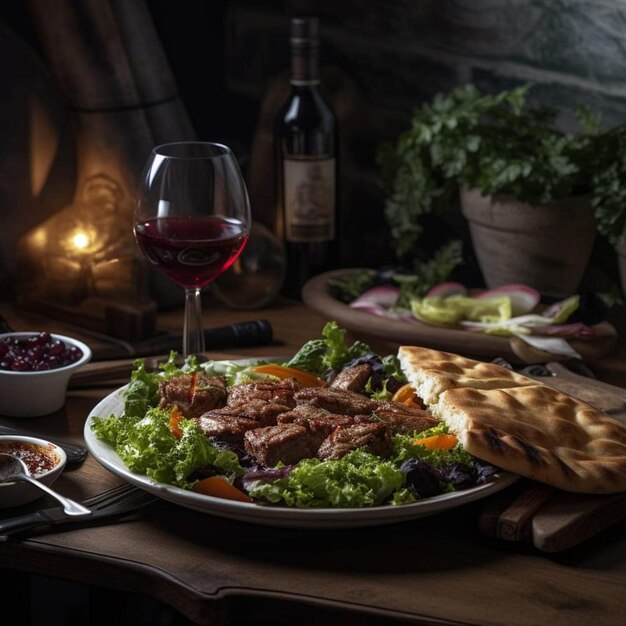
point(540, 433)
point(520, 425)
point(432, 372)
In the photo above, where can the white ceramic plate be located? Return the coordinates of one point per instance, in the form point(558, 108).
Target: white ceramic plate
point(272, 515)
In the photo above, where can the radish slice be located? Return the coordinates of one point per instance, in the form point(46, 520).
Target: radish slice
point(377, 300)
point(564, 330)
point(443, 290)
point(523, 298)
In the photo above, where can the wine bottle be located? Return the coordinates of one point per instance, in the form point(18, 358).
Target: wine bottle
point(305, 138)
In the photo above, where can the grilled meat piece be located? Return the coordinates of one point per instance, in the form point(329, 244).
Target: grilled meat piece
point(264, 412)
point(319, 422)
point(288, 443)
point(373, 435)
point(336, 400)
point(231, 422)
point(404, 420)
point(304, 412)
point(276, 391)
point(230, 428)
point(193, 394)
point(353, 378)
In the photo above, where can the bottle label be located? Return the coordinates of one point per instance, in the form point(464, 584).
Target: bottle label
point(309, 199)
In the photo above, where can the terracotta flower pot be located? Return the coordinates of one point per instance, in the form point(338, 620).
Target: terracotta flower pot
point(545, 247)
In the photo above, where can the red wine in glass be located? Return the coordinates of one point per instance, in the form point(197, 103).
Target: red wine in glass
point(192, 251)
point(192, 220)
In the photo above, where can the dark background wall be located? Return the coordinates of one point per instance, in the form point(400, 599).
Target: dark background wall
point(381, 58)
point(396, 54)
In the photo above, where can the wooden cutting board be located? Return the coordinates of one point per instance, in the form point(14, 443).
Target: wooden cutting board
point(551, 519)
point(316, 295)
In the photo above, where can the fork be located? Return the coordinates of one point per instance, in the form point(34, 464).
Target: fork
point(110, 504)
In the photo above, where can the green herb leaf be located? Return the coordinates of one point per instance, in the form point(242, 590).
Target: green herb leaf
point(500, 145)
point(351, 286)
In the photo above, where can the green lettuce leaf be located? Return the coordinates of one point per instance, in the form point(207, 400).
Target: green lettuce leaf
point(146, 445)
point(331, 352)
point(359, 479)
point(391, 365)
point(404, 448)
point(233, 372)
point(310, 357)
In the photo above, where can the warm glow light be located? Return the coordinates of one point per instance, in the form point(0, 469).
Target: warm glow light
point(80, 241)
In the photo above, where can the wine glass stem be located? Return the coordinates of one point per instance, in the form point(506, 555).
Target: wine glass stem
point(193, 332)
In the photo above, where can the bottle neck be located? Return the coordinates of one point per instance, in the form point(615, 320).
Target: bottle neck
point(304, 63)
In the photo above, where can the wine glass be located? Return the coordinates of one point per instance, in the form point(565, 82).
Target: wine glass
point(192, 220)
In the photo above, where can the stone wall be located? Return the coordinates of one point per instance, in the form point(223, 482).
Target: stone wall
point(401, 52)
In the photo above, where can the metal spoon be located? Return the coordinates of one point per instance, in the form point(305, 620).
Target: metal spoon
point(12, 468)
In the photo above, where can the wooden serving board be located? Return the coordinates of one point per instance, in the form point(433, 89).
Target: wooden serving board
point(551, 519)
point(315, 295)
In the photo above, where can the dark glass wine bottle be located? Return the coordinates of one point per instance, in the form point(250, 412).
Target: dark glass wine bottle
point(305, 137)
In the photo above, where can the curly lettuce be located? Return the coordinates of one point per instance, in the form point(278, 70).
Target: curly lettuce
point(146, 445)
point(359, 479)
point(404, 448)
point(331, 352)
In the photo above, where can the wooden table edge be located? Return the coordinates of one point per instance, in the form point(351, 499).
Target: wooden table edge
point(37, 556)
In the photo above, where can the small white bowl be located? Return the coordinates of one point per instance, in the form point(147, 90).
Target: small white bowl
point(21, 492)
point(31, 394)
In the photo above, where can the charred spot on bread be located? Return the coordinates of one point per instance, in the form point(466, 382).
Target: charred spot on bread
point(494, 440)
point(565, 468)
point(532, 453)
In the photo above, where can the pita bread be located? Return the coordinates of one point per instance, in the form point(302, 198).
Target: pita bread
point(432, 372)
point(540, 433)
point(523, 426)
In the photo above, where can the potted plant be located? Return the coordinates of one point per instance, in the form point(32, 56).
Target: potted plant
point(525, 186)
point(609, 194)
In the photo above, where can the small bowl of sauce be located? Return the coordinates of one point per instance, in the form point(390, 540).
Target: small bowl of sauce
point(44, 461)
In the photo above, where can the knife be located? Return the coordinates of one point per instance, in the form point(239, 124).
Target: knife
point(113, 503)
point(237, 335)
point(75, 453)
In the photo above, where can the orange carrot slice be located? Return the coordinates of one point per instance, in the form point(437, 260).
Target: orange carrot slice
point(280, 371)
point(220, 488)
point(192, 387)
point(406, 395)
point(438, 442)
point(175, 417)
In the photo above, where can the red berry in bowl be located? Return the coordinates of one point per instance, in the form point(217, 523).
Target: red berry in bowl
point(36, 353)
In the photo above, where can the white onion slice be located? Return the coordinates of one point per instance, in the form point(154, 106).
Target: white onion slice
point(553, 345)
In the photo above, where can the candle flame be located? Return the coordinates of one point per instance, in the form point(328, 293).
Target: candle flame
point(81, 241)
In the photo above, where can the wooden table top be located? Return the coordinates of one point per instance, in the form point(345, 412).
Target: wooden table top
point(434, 570)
